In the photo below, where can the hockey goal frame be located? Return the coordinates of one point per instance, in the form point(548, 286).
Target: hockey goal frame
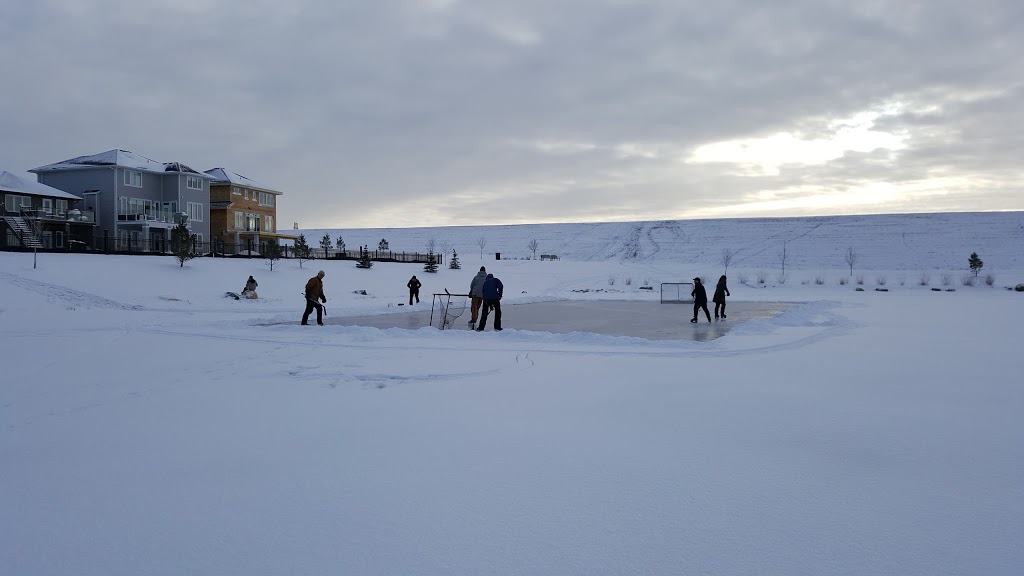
point(676, 292)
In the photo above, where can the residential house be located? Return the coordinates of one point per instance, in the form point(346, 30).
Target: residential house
point(243, 212)
point(35, 215)
point(136, 200)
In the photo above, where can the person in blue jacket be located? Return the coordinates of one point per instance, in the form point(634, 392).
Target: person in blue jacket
point(493, 289)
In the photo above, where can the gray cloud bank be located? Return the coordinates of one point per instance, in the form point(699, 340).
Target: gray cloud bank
point(424, 113)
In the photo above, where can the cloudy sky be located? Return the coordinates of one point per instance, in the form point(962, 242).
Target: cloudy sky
point(460, 112)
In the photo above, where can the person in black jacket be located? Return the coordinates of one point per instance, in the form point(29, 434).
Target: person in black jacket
point(414, 289)
point(700, 300)
point(493, 290)
point(721, 291)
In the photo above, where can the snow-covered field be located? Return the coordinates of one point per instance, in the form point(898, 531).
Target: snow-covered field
point(149, 425)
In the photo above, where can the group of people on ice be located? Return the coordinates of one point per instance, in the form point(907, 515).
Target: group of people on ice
point(700, 299)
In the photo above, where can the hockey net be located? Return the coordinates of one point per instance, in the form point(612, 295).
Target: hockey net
point(676, 292)
point(446, 309)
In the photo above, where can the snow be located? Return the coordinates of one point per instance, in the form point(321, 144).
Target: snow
point(121, 158)
point(222, 175)
point(149, 425)
point(13, 183)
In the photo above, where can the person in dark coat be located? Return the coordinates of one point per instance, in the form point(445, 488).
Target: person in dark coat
point(414, 289)
point(250, 288)
point(700, 300)
point(315, 291)
point(493, 289)
point(476, 292)
point(721, 291)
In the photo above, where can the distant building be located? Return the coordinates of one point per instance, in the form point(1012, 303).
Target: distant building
point(243, 212)
point(134, 199)
point(35, 215)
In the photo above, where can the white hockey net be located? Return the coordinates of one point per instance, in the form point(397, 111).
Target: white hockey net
point(676, 292)
point(446, 309)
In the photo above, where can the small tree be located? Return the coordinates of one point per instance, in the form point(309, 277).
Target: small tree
point(727, 256)
point(364, 258)
point(532, 247)
point(975, 263)
point(383, 245)
point(431, 265)
point(851, 257)
point(302, 250)
point(340, 244)
point(181, 244)
point(482, 243)
point(325, 243)
point(272, 252)
point(431, 245)
point(782, 258)
point(454, 264)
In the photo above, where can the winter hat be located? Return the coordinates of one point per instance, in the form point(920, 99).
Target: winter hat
point(696, 279)
point(482, 269)
point(320, 273)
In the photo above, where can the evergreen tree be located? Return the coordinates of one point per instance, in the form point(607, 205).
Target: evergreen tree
point(454, 264)
point(975, 263)
point(325, 243)
point(272, 252)
point(302, 250)
point(340, 244)
point(431, 265)
point(364, 258)
point(383, 246)
point(181, 244)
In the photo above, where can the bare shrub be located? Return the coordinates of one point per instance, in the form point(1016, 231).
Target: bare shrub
point(628, 281)
point(819, 279)
point(924, 279)
point(946, 279)
point(761, 277)
point(743, 278)
point(967, 279)
point(647, 281)
point(990, 279)
point(611, 280)
point(860, 279)
point(902, 280)
point(880, 280)
point(843, 280)
point(782, 278)
point(805, 282)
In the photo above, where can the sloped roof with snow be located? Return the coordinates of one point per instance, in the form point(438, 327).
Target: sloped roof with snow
point(14, 183)
point(222, 175)
point(121, 159)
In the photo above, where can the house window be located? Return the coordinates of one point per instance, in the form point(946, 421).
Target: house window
point(268, 223)
point(266, 199)
point(62, 207)
point(194, 182)
point(252, 222)
point(14, 203)
point(133, 178)
point(239, 220)
point(246, 194)
point(48, 206)
point(58, 239)
point(236, 191)
point(195, 211)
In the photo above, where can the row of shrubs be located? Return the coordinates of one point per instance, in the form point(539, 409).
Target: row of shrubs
point(924, 279)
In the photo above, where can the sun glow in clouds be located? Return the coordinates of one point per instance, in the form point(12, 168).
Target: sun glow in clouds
point(764, 156)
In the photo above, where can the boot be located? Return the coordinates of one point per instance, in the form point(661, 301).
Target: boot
point(694, 320)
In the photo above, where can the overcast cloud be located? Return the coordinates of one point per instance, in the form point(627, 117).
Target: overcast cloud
point(394, 113)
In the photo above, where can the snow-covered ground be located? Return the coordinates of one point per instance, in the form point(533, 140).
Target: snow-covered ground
point(149, 425)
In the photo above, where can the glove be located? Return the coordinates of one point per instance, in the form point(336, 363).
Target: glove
point(323, 299)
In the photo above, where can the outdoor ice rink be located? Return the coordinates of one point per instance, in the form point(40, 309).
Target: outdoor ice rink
point(639, 319)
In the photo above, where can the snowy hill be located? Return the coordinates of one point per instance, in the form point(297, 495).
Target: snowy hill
point(883, 242)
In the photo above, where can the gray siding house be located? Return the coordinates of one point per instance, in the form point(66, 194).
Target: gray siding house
point(134, 199)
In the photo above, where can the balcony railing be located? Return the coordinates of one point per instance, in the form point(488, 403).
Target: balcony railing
point(73, 215)
point(151, 215)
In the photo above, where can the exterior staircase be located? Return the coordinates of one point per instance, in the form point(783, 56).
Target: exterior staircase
point(24, 231)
